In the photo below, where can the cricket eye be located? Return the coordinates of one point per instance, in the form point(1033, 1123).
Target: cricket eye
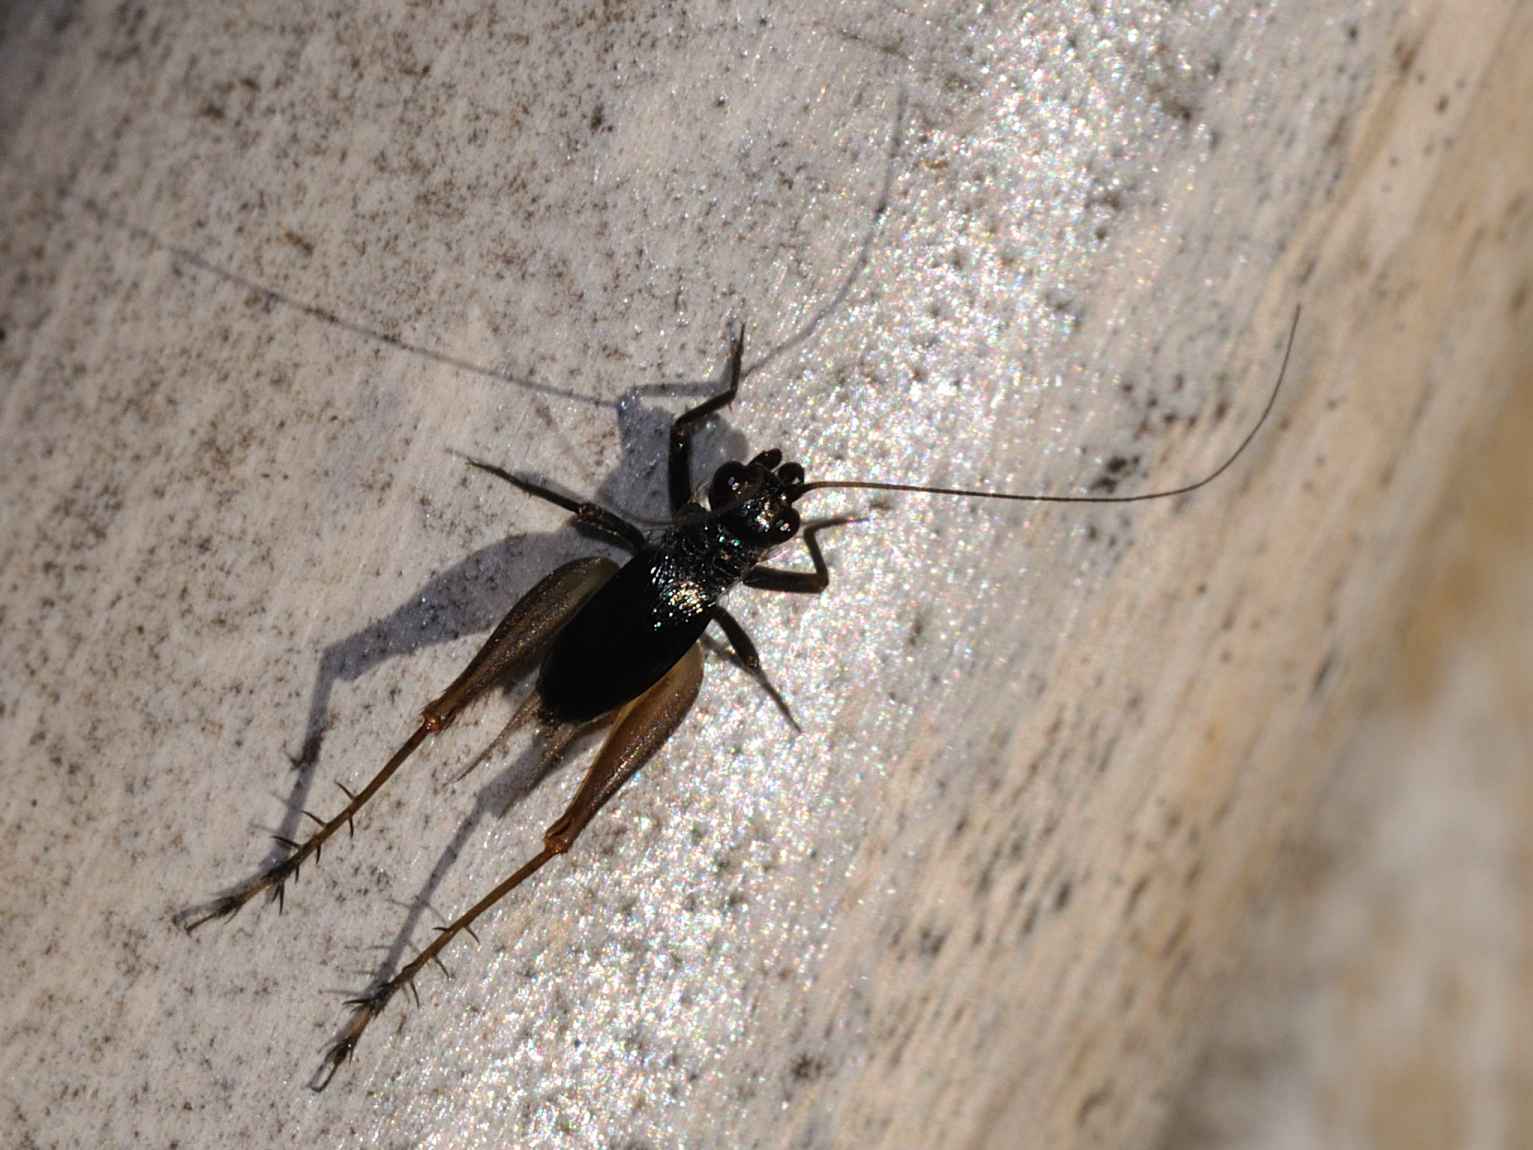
point(786, 527)
point(729, 487)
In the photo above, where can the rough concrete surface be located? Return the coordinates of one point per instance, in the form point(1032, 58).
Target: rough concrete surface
point(270, 270)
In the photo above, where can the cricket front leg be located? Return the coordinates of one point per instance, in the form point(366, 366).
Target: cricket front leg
point(640, 730)
point(525, 632)
point(680, 459)
point(766, 578)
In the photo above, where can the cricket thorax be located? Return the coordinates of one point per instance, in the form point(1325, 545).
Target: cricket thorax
point(699, 562)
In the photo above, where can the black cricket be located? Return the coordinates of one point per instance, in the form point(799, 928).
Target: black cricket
point(620, 646)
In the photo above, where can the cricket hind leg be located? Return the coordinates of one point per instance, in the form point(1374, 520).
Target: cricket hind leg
point(639, 730)
point(493, 798)
point(528, 628)
point(525, 632)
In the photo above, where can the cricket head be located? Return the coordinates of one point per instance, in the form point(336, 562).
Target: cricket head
point(755, 500)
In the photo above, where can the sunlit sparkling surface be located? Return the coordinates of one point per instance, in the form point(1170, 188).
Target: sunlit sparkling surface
point(690, 949)
point(711, 965)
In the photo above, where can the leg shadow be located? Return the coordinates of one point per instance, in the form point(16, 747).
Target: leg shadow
point(473, 594)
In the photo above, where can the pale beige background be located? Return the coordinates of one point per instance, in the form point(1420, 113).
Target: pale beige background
point(1063, 777)
point(1385, 979)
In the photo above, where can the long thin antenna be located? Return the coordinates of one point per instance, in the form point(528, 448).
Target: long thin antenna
point(323, 314)
point(868, 485)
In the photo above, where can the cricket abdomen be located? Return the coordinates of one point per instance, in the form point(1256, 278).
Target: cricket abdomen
point(624, 640)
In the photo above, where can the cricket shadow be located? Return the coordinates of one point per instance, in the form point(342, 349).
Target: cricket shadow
point(472, 595)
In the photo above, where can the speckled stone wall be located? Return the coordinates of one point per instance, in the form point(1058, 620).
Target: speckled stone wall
point(270, 270)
